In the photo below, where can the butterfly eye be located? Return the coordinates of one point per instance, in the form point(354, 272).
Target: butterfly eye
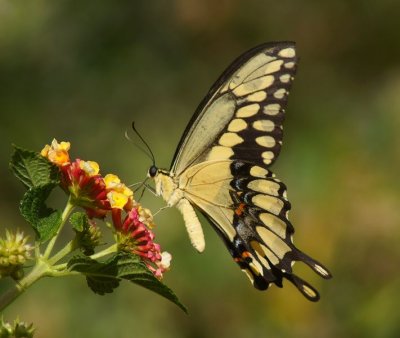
point(153, 171)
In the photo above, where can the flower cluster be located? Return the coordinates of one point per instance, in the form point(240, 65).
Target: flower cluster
point(134, 236)
point(14, 252)
point(102, 195)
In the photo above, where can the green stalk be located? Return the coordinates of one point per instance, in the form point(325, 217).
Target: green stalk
point(111, 249)
point(67, 249)
point(67, 211)
point(40, 270)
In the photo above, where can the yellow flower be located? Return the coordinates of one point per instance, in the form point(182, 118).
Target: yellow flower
point(57, 153)
point(90, 167)
point(119, 194)
point(117, 199)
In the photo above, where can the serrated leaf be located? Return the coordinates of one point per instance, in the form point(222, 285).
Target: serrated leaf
point(104, 277)
point(32, 169)
point(79, 221)
point(45, 221)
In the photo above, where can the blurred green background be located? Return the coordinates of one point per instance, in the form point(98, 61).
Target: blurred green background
point(82, 71)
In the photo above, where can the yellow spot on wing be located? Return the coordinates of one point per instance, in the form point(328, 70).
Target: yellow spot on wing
point(287, 52)
point(264, 186)
point(269, 203)
point(321, 270)
point(248, 110)
point(274, 223)
point(272, 241)
point(257, 171)
point(307, 290)
point(220, 153)
point(237, 125)
point(257, 96)
point(264, 125)
point(230, 139)
point(272, 109)
point(280, 93)
point(267, 156)
point(266, 141)
point(289, 65)
point(285, 78)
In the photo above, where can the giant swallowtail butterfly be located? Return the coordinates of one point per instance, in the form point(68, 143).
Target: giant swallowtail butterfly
point(222, 168)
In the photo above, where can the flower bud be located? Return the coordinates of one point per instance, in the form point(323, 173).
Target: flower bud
point(17, 329)
point(14, 252)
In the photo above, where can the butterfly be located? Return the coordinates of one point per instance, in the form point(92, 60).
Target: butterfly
point(221, 167)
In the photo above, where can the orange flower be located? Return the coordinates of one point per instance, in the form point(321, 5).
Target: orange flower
point(57, 153)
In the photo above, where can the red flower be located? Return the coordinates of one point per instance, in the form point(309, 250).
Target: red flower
point(86, 186)
point(135, 237)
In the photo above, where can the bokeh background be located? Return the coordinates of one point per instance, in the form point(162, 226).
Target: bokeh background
point(82, 71)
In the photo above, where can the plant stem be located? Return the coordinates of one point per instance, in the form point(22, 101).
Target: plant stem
point(67, 249)
point(111, 249)
point(67, 210)
point(40, 270)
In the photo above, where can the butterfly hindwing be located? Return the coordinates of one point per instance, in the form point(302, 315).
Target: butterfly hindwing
point(248, 208)
point(263, 245)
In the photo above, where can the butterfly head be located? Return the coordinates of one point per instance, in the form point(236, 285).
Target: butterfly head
point(163, 180)
point(153, 171)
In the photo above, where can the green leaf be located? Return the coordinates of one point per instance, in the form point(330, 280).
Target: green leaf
point(87, 234)
point(44, 220)
point(79, 221)
point(32, 169)
point(104, 277)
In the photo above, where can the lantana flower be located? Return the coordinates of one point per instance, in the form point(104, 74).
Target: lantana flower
point(99, 196)
point(135, 237)
point(57, 153)
point(119, 195)
point(145, 215)
point(81, 179)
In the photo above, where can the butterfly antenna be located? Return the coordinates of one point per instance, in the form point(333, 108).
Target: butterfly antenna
point(138, 146)
point(145, 143)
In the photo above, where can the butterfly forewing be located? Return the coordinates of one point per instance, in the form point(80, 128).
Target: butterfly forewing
point(242, 115)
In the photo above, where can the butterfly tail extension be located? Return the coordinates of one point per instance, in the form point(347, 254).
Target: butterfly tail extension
point(192, 223)
point(305, 288)
point(314, 265)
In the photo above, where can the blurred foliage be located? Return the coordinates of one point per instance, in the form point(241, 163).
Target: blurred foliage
point(82, 71)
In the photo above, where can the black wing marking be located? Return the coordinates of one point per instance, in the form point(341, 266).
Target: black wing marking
point(263, 246)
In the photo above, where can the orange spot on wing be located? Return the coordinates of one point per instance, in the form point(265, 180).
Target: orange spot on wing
point(239, 210)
